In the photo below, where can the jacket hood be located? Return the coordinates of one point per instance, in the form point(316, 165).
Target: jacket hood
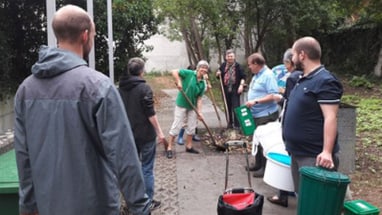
point(129, 82)
point(54, 61)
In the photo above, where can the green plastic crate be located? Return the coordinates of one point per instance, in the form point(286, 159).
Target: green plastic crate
point(9, 184)
point(360, 207)
point(245, 119)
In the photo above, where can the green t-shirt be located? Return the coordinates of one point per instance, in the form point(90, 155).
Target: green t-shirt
point(191, 87)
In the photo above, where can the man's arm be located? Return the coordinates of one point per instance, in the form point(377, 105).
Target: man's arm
point(265, 99)
point(27, 201)
point(120, 151)
point(329, 112)
point(271, 88)
point(154, 121)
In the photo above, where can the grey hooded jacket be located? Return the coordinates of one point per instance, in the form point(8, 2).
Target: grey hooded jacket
point(74, 147)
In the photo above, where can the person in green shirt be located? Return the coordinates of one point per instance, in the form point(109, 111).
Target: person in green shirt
point(192, 83)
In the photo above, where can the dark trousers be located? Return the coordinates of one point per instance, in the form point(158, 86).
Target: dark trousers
point(233, 101)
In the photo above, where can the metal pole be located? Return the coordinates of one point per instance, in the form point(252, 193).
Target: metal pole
point(110, 40)
point(89, 5)
point(50, 9)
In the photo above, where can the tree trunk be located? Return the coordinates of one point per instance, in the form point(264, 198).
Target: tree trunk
point(378, 67)
point(197, 38)
point(190, 50)
point(219, 49)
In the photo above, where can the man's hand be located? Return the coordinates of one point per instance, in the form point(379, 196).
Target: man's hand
point(251, 103)
point(164, 142)
point(325, 160)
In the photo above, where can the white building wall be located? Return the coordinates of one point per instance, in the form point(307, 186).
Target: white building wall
point(168, 55)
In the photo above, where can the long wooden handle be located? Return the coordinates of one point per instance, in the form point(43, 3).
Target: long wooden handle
point(214, 104)
point(224, 99)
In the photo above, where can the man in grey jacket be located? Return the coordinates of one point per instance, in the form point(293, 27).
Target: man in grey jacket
point(74, 146)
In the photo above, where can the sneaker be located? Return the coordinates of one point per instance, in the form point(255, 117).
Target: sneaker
point(195, 138)
point(278, 201)
point(169, 154)
point(192, 150)
point(155, 205)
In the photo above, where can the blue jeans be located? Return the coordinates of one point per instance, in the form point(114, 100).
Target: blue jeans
point(146, 152)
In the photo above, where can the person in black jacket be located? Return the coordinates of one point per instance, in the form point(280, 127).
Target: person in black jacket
point(138, 100)
point(233, 78)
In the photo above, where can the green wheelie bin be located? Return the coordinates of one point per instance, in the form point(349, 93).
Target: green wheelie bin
point(9, 184)
point(321, 191)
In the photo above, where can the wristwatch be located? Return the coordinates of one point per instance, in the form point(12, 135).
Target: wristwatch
point(256, 102)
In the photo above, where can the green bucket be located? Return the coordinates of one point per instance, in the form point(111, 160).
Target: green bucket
point(245, 119)
point(321, 191)
point(360, 207)
point(9, 184)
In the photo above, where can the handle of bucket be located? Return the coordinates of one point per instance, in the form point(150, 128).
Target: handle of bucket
point(235, 143)
point(255, 146)
point(329, 170)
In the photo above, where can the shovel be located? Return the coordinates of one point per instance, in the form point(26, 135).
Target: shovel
point(201, 119)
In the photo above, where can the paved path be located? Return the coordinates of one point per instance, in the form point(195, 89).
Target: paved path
point(191, 184)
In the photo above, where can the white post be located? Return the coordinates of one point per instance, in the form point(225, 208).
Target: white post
point(50, 9)
point(89, 5)
point(110, 40)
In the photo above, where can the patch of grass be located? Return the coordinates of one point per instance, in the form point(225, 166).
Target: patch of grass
point(369, 118)
point(361, 81)
point(369, 112)
point(155, 73)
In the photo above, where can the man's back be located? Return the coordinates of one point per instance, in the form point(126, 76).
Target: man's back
point(69, 121)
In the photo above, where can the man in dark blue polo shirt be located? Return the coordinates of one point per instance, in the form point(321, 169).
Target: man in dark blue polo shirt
point(310, 123)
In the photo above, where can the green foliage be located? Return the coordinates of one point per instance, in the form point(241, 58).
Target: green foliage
point(133, 23)
point(300, 18)
point(369, 116)
point(21, 34)
point(360, 81)
point(369, 112)
point(23, 30)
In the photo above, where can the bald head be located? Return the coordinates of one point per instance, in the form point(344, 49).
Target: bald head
point(310, 46)
point(69, 22)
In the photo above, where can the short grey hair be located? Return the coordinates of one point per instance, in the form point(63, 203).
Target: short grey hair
point(229, 51)
point(135, 66)
point(288, 55)
point(202, 63)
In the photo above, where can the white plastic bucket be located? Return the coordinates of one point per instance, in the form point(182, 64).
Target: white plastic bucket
point(277, 172)
point(270, 138)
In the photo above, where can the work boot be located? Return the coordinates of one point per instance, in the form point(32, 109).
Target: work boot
point(180, 137)
point(260, 173)
point(258, 159)
point(253, 167)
